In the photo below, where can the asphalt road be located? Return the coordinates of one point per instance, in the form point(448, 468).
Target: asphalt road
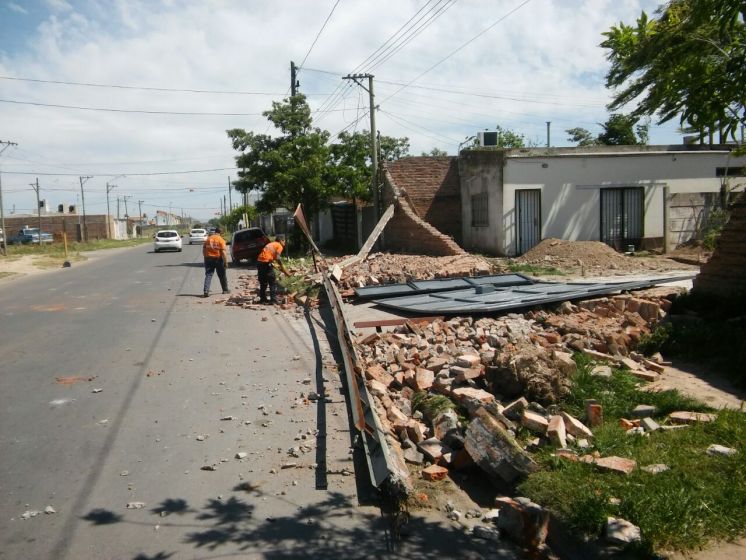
point(119, 384)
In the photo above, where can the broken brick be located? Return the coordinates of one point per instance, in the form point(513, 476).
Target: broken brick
point(556, 431)
point(534, 422)
point(434, 473)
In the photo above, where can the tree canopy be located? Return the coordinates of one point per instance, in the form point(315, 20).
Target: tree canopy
point(618, 130)
point(689, 61)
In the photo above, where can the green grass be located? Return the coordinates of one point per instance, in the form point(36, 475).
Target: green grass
point(298, 285)
point(699, 499)
point(5, 274)
point(534, 270)
point(431, 405)
point(58, 249)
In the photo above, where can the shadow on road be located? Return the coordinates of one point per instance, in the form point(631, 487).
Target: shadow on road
point(331, 528)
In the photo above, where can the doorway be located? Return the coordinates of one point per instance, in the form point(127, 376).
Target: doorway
point(528, 209)
point(622, 217)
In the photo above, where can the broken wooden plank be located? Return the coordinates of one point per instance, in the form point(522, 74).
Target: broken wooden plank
point(372, 238)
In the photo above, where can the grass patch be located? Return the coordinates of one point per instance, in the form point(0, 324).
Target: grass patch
point(534, 270)
point(298, 285)
point(431, 405)
point(699, 499)
point(58, 249)
point(5, 274)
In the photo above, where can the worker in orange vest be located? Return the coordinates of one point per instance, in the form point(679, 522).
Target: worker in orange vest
point(266, 270)
point(216, 259)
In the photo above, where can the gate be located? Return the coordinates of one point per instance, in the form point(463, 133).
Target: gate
point(528, 209)
point(622, 217)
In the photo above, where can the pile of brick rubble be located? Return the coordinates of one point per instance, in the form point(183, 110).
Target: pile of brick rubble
point(508, 372)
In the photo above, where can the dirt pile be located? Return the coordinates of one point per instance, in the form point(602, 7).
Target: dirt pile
point(593, 258)
point(389, 268)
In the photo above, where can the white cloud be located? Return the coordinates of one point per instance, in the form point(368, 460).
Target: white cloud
point(543, 62)
point(16, 8)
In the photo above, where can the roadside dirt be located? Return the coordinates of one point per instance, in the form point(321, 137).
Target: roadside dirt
point(17, 266)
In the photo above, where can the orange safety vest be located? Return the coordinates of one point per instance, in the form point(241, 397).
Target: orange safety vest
point(214, 246)
point(271, 252)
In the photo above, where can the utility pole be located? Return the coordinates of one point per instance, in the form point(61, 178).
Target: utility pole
point(230, 201)
point(549, 126)
point(84, 233)
point(35, 186)
point(139, 204)
point(293, 81)
point(5, 145)
point(108, 213)
point(126, 212)
point(373, 146)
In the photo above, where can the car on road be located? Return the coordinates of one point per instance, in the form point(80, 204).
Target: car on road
point(29, 235)
point(197, 235)
point(167, 239)
point(246, 244)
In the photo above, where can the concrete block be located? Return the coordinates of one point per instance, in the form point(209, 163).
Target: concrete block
point(643, 410)
point(622, 532)
point(716, 449)
point(649, 425)
point(495, 451)
point(682, 417)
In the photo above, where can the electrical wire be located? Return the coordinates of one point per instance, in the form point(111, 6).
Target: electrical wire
point(319, 34)
point(463, 45)
point(152, 173)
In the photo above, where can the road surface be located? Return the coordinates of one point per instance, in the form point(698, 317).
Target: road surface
point(120, 386)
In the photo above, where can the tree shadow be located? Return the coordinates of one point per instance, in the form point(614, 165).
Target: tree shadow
point(168, 506)
point(102, 516)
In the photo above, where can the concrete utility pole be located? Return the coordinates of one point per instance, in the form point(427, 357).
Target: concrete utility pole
point(126, 212)
point(5, 145)
point(84, 233)
point(35, 186)
point(230, 201)
point(108, 212)
point(373, 144)
point(139, 205)
point(293, 81)
point(549, 126)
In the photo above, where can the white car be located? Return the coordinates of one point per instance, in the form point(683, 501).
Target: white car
point(197, 236)
point(167, 239)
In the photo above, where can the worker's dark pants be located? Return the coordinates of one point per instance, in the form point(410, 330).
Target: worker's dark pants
point(213, 264)
point(266, 273)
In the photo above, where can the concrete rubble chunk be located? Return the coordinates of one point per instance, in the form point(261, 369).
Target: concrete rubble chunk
point(576, 427)
point(494, 450)
point(716, 449)
point(378, 373)
point(434, 473)
point(656, 468)
point(486, 533)
point(523, 522)
point(465, 374)
point(411, 455)
point(135, 505)
point(377, 388)
point(556, 431)
point(649, 425)
point(644, 410)
point(422, 380)
point(616, 464)
point(49, 510)
point(620, 531)
point(683, 417)
point(565, 362)
point(515, 409)
point(534, 422)
point(462, 394)
point(601, 370)
point(433, 449)
point(445, 424)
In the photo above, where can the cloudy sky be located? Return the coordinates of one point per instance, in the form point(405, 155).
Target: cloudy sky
point(140, 93)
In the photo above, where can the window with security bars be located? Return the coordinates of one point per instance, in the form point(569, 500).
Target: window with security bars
point(480, 216)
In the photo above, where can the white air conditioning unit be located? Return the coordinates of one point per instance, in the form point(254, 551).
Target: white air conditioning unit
point(487, 138)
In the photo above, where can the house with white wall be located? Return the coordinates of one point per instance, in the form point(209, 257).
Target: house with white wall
point(641, 196)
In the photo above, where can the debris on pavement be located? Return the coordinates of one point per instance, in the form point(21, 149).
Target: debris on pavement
point(135, 505)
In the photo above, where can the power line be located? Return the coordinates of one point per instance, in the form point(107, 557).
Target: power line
point(141, 88)
point(319, 34)
point(126, 174)
point(474, 38)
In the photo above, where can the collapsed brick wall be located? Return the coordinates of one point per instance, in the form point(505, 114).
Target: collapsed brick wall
point(407, 232)
point(433, 188)
point(725, 273)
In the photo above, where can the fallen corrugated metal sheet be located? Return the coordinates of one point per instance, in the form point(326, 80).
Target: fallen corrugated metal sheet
point(512, 293)
point(414, 287)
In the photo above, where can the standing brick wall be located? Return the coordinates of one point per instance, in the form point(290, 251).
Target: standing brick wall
point(433, 189)
point(57, 223)
point(408, 233)
point(725, 273)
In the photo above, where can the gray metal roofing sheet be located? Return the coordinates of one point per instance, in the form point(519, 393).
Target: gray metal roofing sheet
point(506, 298)
point(439, 285)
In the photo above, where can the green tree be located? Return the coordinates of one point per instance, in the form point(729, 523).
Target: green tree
point(435, 152)
point(618, 130)
point(689, 61)
point(288, 168)
point(236, 215)
point(350, 166)
point(581, 136)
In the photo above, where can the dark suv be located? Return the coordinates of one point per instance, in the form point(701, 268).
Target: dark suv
point(247, 244)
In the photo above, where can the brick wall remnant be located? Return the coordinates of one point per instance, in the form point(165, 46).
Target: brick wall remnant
point(724, 275)
point(407, 231)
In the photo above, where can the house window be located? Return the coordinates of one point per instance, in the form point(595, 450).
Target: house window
point(730, 171)
point(480, 216)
